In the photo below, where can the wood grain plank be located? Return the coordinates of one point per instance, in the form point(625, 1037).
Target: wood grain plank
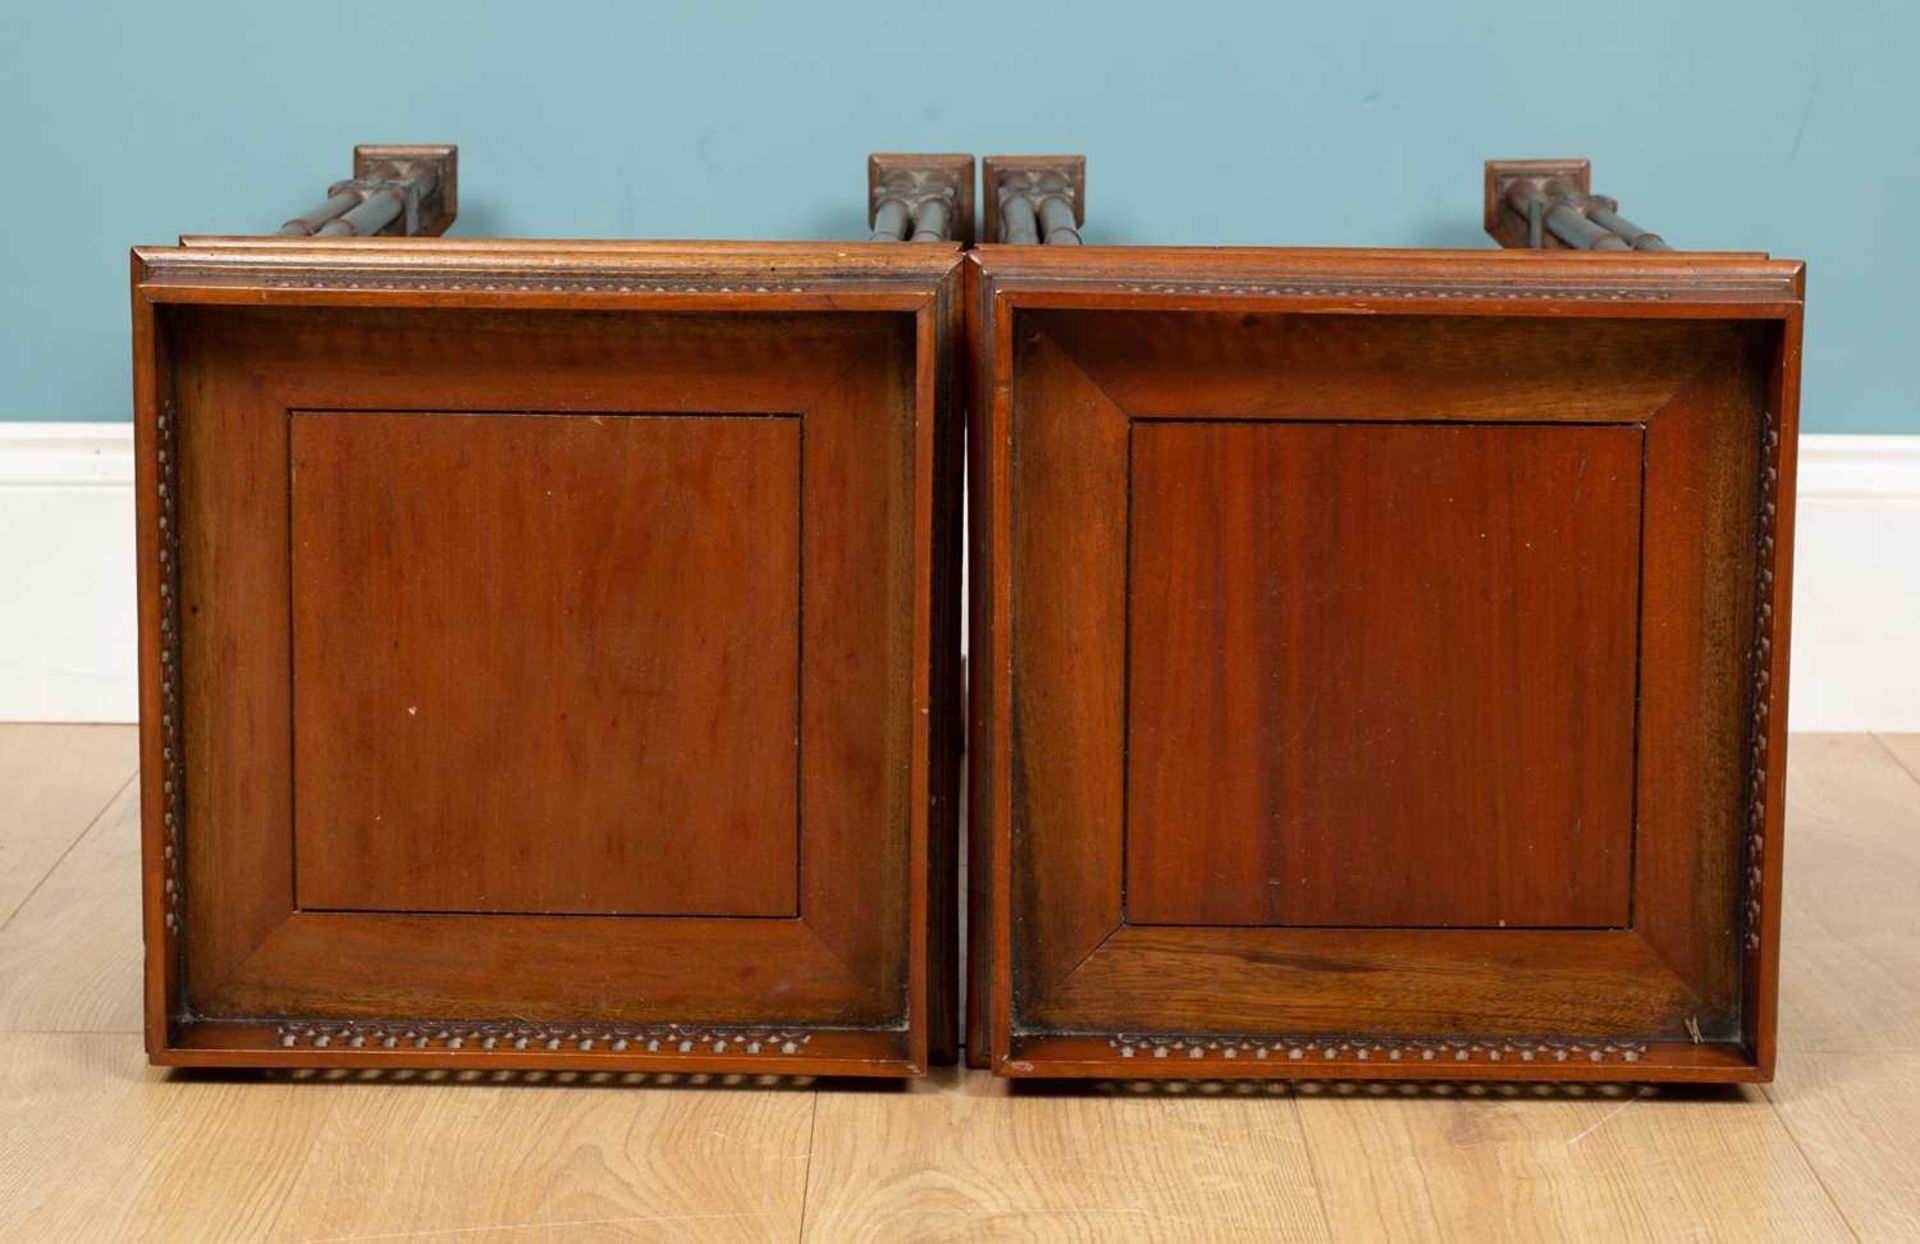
point(97, 1146)
point(1857, 1120)
point(54, 780)
point(70, 959)
point(600, 1156)
point(1561, 1164)
point(217, 1158)
point(961, 1155)
point(1850, 945)
point(71, 1113)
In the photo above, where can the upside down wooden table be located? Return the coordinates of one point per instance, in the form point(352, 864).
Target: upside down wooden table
point(550, 650)
point(549, 653)
point(1378, 661)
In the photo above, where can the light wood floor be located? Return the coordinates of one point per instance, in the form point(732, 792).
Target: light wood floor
point(94, 1145)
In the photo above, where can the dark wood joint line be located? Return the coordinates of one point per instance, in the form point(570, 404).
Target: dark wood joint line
point(1035, 199)
point(920, 198)
point(1550, 204)
point(400, 191)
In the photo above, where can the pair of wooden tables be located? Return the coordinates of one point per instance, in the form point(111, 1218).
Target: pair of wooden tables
point(551, 651)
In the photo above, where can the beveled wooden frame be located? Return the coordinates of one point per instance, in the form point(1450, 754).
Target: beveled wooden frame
point(902, 1018)
point(1046, 963)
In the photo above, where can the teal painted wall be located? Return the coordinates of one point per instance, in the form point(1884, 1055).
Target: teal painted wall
point(1743, 124)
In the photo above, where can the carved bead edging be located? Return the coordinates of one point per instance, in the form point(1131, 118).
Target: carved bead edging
point(1757, 807)
point(507, 283)
point(1372, 1049)
point(510, 284)
point(1310, 289)
point(172, 761)
point(507, 1038)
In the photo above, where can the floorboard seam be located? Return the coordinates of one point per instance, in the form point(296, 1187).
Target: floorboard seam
point(806, 1180)
point(78, 838)
point(1900, 763)
point(1813, 1168)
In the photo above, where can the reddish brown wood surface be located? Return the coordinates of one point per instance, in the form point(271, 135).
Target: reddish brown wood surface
point(1318, 440)
point(1070, 548)
point(1382, 674)
point(648, 536)
point(579, 696)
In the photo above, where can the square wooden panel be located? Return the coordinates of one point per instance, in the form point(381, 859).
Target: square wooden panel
point(1381, 674)
point(547, 655)
point(1379, 662)
point(524, 700)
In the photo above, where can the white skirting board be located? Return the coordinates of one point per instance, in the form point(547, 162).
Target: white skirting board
point(1856, 585)
point(67, 574)
point(67, 648)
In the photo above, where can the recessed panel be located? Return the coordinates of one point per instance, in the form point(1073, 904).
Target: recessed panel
point(546, 663)
point(1382, 674)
